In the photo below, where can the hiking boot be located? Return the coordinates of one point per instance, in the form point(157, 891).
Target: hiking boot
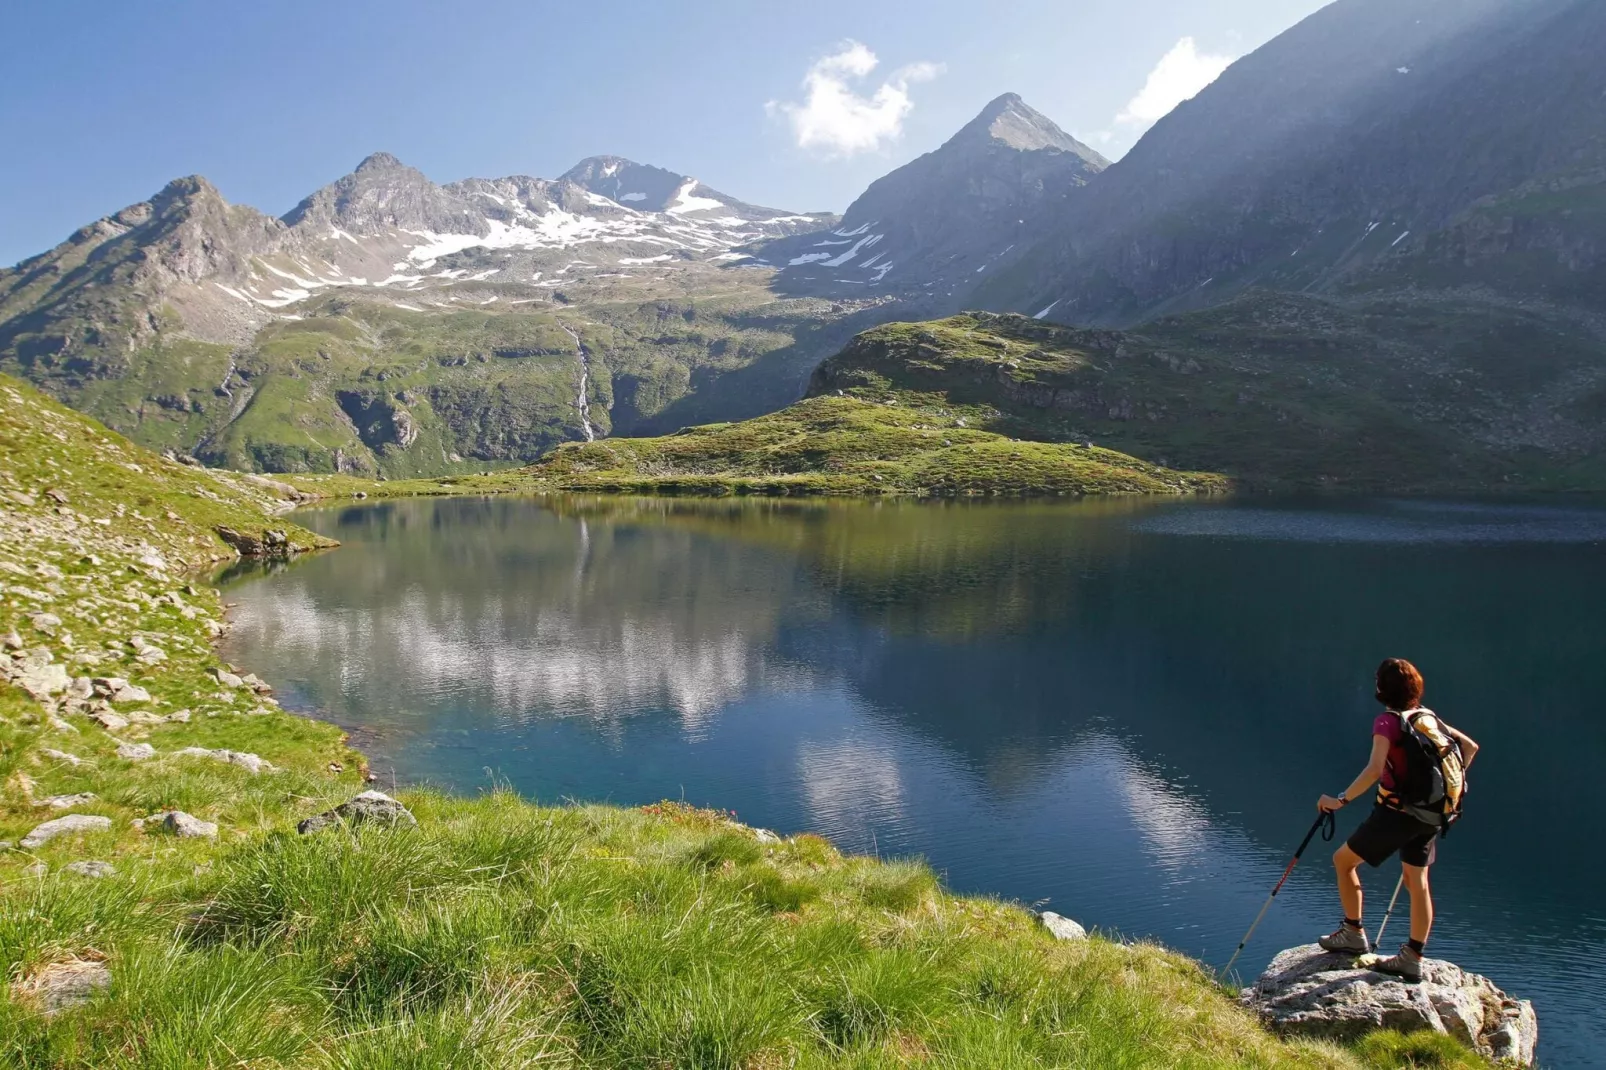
point(1407, 964)
point(1347, 939)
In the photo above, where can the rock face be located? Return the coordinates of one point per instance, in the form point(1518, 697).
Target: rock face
point(1312, 993)
point(373, 806)
point(946, 219)
point(63, 826)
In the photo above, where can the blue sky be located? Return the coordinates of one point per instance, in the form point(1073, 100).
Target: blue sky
point(107, 101)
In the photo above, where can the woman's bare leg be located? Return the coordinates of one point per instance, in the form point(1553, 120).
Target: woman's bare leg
point(1346, 863)
point(1416, 881)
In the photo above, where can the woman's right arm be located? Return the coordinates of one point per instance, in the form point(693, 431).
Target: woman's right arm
point(1469, 746)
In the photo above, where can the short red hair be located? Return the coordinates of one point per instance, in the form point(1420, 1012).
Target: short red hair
point(1399, 684)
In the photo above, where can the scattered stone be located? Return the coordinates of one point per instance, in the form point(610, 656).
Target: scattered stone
point(227, 678)
point(41, 677)
point(135, 752)
point(1308, 992)
point(252, 762)
point(256, 683)
point(62, 726)
point(45, 622)
point(336, 768)
point(178, 717)
point(373, 806)
point(109, 720)
point(154, 561)
point(183, 825)
point(13, 641)
point(67, 802)
point(62, 756)
point(61, 986)
point(765, 836)
point(146, 717)
point(65, 826)
point(57, 496)
point(82, 688)
point(91, 869)
point(150, 655)
point(1062, 927)
point(118, 689)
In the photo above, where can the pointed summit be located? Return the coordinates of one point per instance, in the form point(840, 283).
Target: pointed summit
point(380, 161)
point(1012, 122)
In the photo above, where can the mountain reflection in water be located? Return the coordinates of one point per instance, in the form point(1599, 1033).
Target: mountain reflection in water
point(1127, 707)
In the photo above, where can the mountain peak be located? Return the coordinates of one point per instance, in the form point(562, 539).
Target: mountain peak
point(379, 161)
point(1012, 122)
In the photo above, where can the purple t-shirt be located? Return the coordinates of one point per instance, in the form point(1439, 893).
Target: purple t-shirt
point(1387, 724)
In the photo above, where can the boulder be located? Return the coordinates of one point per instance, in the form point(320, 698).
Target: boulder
point(184, 826)
point(65, 826)
point(1062, 927)
point(1309, 992)
point(373, 806)
point(59, 986)
point(135, 752)
point(226, 678)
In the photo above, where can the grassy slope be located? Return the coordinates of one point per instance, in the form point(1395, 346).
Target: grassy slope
point(498, 933)
point(1279, 390)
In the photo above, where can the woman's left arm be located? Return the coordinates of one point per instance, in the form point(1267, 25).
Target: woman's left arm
point(1368, 777)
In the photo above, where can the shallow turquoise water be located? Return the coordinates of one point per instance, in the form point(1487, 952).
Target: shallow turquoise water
point(1123, 709)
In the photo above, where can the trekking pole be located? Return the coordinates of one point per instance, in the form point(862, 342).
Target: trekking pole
point(1395, 898)
point(1326, 823)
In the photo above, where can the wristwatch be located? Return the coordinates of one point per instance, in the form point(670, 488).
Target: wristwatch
point(1343, 799)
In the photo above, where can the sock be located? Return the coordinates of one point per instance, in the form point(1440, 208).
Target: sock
point(1353, 923)
point(1415, 945)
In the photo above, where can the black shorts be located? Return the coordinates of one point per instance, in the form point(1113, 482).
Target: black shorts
point(1385, 831)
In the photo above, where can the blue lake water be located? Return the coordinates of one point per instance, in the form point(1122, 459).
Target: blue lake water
point(1123, 709)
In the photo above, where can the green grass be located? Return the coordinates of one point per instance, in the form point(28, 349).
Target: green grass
point(497, 933)
point(900, 444)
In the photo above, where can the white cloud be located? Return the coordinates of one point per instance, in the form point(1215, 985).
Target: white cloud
point(1181, 73)
point(839, 121)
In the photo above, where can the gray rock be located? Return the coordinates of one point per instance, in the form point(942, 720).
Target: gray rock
point(108, 720)
point(61, 756)
point(373, 806)
point(117, 689)
point(91, 869)
point(67, 802)
point(41, 679)
point(1062, 927)
point(63, 985)
point(766, 836)
point(227, 678)
point(1311, 993)
point(65, 826)
point(45, 622)
point(182, 825)
point(252, 762)
point(135, 752)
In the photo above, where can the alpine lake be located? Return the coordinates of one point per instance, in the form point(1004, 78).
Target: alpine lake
point(1120, 710)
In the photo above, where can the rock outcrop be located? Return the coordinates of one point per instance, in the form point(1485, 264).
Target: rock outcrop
point(1308, 992)
point(374, 806)
point(1062, 927)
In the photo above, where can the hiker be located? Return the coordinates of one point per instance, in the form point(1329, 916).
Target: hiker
point(1397, 823)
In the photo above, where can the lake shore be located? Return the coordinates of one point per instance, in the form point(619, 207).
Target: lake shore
point(183, 919)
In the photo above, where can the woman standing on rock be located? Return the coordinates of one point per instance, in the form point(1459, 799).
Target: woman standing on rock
point(1390, 828)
